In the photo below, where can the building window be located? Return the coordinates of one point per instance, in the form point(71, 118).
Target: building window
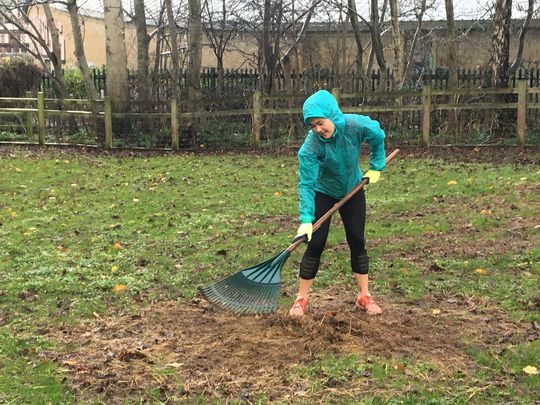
point(23, 38)
point(4, 38)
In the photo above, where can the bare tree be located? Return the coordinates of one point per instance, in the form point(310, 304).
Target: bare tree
point(452, 61)
point(195, 48)
point(522, 32)
point(397, 39)
point(500, 43)
point(274, 27)
point(73, 11)
point(143, 60)
point(375, 29)
point(353, 16)
point(173, 41)
point(56, 54)
point(16, 15)
point(220, 27)
point(159, 34)
point(452, 45)
point(115, 54)
point(419, 12)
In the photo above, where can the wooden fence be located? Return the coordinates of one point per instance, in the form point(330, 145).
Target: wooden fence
point(262, 107)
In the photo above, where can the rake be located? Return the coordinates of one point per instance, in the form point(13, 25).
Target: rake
point(255, 290)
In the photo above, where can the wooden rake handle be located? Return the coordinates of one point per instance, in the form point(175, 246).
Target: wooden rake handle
point(338, 205)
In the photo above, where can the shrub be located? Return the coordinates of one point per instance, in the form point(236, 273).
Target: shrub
point(18, 76)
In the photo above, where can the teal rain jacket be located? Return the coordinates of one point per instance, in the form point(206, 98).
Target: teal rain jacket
point(330, 166)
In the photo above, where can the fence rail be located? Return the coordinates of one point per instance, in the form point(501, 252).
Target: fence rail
point(424, 102)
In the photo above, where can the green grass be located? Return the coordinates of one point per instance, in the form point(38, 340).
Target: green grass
point(73, 228)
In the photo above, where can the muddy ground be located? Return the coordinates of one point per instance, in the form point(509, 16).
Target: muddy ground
point(190, 349)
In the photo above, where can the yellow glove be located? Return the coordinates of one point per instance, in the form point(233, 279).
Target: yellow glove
point(304, 229)
point(372, 176)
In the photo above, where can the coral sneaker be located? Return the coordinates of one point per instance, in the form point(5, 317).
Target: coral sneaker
point(299, 307)
point(368, 304)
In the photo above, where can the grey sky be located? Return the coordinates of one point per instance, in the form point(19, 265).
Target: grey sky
point(464, 9)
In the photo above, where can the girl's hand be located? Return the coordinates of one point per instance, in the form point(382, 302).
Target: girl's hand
point(372, 176)
point(304, 229)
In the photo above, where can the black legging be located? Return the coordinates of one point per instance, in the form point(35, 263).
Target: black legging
point(353, 215)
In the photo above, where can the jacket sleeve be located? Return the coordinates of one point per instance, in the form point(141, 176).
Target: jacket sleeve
point(374, 136)
point(308, 171)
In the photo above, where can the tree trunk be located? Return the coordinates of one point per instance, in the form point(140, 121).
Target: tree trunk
point(270, 49)
point(500, 43)
point(56, 54)
point(143, 40)
point(116, 62)
point(195, 49)
point(500, 58)
point(376, 36)
point(175, 57)
point(220, 73)
point(156, 73)
point(115, 55)
point(420, 16)
point(353, 15)
point(73, 10)
point(522, 32)
point(397, 39)
point(452, 63)
point(376, 43)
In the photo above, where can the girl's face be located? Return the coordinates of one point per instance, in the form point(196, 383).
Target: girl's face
point(323, 127)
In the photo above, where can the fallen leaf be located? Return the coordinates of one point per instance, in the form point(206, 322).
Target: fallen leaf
point(120, 288)
point(114, 269)
point(485, 212)
point(482, 272)
point(174, 365)
point(436, 311)
point(118, 246)
point(452, 183)
point(530, 370)
point(277, 193)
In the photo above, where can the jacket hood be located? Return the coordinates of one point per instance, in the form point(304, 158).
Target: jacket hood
point(322, 104)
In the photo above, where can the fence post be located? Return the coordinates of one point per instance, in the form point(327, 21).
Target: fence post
point(29, 118)
point(174, 124)
point(41, 117)
point(257, 118)
point(521, 111)
point(107, 107)
point(426, 113)
point(336, 92)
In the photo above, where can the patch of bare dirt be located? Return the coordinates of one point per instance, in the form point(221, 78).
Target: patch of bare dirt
point(189, 349)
